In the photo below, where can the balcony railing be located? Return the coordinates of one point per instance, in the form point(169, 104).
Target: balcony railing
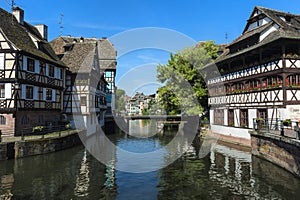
point(284, 128)
point(42, 79)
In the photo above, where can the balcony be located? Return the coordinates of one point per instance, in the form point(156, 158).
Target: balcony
point(43, 80)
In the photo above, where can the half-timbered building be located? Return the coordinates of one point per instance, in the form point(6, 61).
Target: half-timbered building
point(85, 97)
point(108, 63)
point(31, 75)
point(259, 75)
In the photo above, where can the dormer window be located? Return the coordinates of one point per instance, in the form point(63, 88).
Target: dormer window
point(30, 65)
point(288, 18)
point(68, 47)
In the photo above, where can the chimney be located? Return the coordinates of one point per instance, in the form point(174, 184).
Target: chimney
point(43, 30)
point(19, 14)
point(81, 39)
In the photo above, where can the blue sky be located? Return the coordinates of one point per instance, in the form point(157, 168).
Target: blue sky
point(200, 20)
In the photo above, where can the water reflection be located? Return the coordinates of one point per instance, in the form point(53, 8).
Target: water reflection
point(226, 173)
point(82, 180)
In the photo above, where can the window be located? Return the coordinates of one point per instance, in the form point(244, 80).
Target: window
point(231, 117)
point(51, 71)
point(83, 100)
point(2, 90)
point(293, 80)
point(2, 120)
point(42, 69)
point(49, 95)
point(219, 116)
point(97, 101)
point(30, 65)
point(41, 93)
point(61, 73)
point(29, 92)
point(262, 113)
point(25, 120)
point(244, 117)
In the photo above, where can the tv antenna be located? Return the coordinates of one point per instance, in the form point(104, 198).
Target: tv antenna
point(226, 37)
point(12, 4)
point(61, 24)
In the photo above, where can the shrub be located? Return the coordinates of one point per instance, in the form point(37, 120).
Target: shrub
point(37, 129)
point(68, 126)
point(287, 122)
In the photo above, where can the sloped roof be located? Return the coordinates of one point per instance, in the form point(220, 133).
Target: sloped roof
point(81, 57)
point(107, 54)
point(106, 51)
point(274, 15)
point(287, 29)
point(18, 35)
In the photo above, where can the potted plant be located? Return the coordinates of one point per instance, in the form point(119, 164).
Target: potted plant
point(287, 122)
point(37, 129)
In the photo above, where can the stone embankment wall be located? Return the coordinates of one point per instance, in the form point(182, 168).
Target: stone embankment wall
point(282, 151)
point(3, 151)
point(25, 148)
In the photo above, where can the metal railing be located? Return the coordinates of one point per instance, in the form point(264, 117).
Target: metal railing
point(276, 126)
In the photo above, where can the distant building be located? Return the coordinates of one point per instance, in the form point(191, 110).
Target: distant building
point(31, 76)
point(260, 75)
point(86, 89)
point(136, 104)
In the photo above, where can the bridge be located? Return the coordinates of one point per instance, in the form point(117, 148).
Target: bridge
point(155, 117)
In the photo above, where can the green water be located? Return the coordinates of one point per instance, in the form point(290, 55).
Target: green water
point(225, 173)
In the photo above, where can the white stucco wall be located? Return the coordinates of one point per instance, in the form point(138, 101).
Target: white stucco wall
point(211, 116)
point(225, 117)
point(231, 131)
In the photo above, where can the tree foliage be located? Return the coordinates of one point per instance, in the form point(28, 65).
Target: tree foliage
point(185, 89)
point(120, 101)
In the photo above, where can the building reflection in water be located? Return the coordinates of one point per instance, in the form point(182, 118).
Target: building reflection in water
point(82, 180)
point(226, 173)
point(142, 128)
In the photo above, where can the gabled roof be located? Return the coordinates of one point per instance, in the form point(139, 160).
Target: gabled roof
point(275, 16)
point(288, 27)
point(19, 36)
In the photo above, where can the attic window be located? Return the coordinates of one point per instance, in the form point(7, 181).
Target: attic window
point(68, 47)
point(288, 18)
point(282, 18)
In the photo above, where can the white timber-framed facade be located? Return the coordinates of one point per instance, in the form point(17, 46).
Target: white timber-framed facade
point(85, 97)
point(31, 76)
point(259, 75)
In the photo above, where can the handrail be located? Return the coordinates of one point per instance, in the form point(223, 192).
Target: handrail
point(282, 127)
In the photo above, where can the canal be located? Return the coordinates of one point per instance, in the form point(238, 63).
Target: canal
point(225, 173)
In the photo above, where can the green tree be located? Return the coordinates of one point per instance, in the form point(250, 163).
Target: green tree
point(168, 101)
point(182, 75)
point(120, 101)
